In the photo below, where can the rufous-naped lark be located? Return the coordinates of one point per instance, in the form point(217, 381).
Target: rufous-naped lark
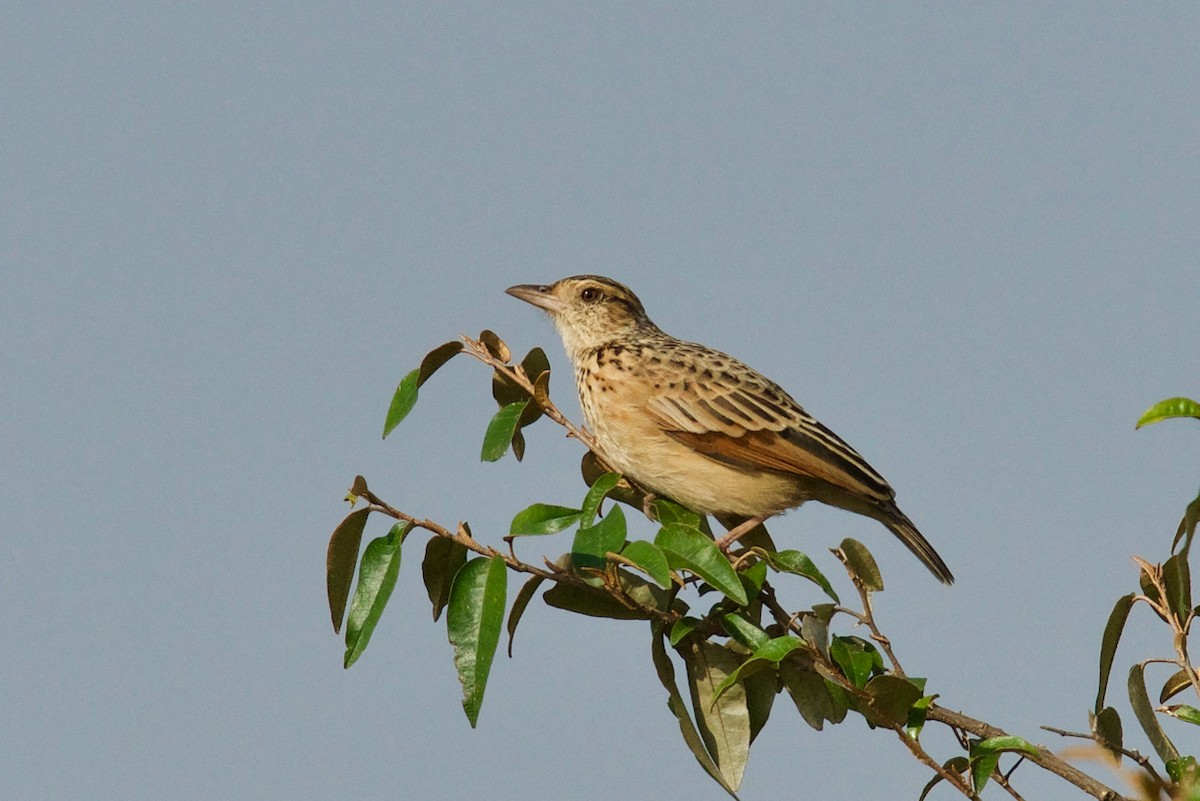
point(701, 428)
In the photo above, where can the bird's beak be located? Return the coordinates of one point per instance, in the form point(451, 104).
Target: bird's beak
point(539, 296)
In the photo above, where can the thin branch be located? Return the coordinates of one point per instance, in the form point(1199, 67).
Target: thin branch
point(951, 777)
point(1044, 758)
point(1141, 759)
point(868, 617)
point(1002, 779)
point(1179, 627)
point(516, 373)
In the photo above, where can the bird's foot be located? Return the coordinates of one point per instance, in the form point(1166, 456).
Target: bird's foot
point(648, 505)
point(739, 531)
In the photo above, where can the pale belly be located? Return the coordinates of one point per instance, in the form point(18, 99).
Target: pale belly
point(669, 468)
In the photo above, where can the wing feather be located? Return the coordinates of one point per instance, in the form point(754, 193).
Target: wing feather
point(762, 427)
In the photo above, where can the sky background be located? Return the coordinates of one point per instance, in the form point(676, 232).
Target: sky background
point(963, 236)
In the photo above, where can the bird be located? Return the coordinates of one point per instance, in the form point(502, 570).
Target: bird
point(701, 428)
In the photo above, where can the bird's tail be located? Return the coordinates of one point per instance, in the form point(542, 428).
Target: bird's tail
point(899, 524)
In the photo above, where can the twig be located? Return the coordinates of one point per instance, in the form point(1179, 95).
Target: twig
point(868, 617)
point(1002, 779)
point(516, 373)
point(1044, 758)
point(1141, 759)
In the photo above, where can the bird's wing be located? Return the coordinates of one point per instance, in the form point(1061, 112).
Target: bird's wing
point(751, 423)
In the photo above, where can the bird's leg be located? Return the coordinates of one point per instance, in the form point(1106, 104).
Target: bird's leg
point(740, 530)
point(648, 506)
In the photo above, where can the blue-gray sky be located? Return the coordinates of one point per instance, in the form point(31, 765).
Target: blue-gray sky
point(965, 237)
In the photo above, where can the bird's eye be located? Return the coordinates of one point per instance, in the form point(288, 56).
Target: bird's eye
point(589, 294)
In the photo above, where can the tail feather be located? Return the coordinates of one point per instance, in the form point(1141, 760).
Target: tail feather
point(899, 524)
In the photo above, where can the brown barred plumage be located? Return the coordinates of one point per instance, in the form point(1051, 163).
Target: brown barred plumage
point(700, 427)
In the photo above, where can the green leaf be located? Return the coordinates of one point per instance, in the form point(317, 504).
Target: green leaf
point(1007, 742)
point(816, 633)
point(798, 564)
point(892, 699)
point(592, 468)
point(1184, 712)
point(542, 518)
point(723, 719)
point(1178, 581)
point(1184, 769)
point(1106, 726)
point(753, 577)
point(591, 502)
point(500, 431)
point(761, 689)
point(518, 442)
point(535, 363)
point(405, 396)
point(443, 558)
point(403, 401)
point(682, 628)
point(745, 632)
point(376, 579)
point(1178, 682)
point(518, 608)
point(916, 716)
point(688, 549)
point(809, 693)
point(856, 659)
point(649, 558)
point(1147, 586)
point(667, 511)
point(592, 544)
point(841, 701)
point(982, 768)
point(1139, 699)
point(505, 390)
point(436, 358)
point(340, 559)
point(593, 603)
point(985, 756)
point(1187, 526)
point(1167, 409)
point(473, 621)
point(666, 675)
point(1108, 643)
point(606, 536)
point(769, 654)
point(861, 564)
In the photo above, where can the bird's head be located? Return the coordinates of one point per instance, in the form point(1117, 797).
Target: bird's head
point(588, 310)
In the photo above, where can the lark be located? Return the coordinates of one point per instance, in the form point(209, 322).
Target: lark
point(699, 427)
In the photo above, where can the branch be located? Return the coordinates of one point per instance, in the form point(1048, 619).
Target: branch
point(516, 373)
point(1044, 758)
point(463, 537)
point(868, 617)
point(1141, 759)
